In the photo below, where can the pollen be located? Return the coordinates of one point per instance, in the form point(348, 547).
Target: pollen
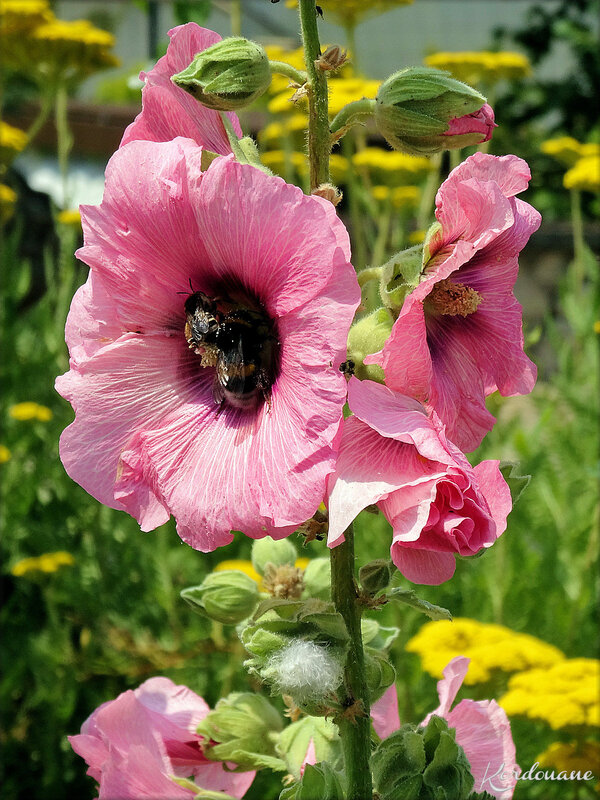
point(452, 299)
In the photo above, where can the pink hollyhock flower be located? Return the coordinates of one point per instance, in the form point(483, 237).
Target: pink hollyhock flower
point(236, 434)
point(482, 730)
point(474, 128)
point(459, 337)
point(138, 743)
point(167, 110)
point(396, 456)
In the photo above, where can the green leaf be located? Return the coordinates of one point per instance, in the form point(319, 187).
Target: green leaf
point(409, 597)
point(516, 483)
point(319, 782)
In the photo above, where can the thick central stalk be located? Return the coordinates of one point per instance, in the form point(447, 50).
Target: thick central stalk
point(319, 144)
point(355, 729)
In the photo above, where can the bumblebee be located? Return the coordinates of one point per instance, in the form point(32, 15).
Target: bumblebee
point(239, 342)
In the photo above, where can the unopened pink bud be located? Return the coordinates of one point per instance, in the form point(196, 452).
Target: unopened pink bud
point(478, 126)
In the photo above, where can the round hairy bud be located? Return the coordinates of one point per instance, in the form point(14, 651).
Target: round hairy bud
point(421, 110)
point(229, 596)
point(268, 551)
point(228, 75)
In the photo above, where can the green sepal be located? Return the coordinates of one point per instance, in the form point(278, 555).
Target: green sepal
point(367, 336)
point(295, 739)
point(422, 763)
point(243, 728)
point(319, 782)
point(409, 597)
point(376, 575)
point(432, 237)
point(228, 597)
point(400, 275)
point(380, 673)
point(376, 635)
point(516, 483)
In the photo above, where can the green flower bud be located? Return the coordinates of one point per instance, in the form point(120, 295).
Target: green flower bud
point(243, 728)
point(400, 275)
point(376, 575)
point(228, 75)
point(380, 673)
point(367, 336)
point(317, 579)
point(419, 763)
point(228, 597)
point(416, 106)
point(268, 551)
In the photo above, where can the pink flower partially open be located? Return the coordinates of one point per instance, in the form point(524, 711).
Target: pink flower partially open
point(393, 454)
point(482, 730)
point(167, 110)
point(474, 128)
point(136, 744)
point(155, 432)
point(459, 336)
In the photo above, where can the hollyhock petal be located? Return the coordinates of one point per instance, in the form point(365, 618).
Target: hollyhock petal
point(482, 730)
point(458, 336)
point(424, 566)
point(384, 713)
point(168, 110)
point(177, 711)
point(480, 122)
point(167, 229)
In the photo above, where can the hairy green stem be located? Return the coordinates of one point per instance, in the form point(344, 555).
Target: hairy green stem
point(355, 729)
point(319, 146)
point(281, 68)
point(352, 114)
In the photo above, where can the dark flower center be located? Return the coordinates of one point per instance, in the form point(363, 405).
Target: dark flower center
point(452, 299)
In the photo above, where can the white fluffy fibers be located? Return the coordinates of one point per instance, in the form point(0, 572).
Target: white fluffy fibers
point(305, 670)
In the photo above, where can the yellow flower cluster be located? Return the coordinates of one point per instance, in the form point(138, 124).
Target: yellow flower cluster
point(583, 160)
point(295, 58)
point(563, 694)
point(281, 162)
point(341, 91)
point(8, 198)
point(491, 648)
point(400, 197)
point(24, 412)
point(5, 454)
point(48, 562)
point(69, 217)
point(390, 167)
point(572, 757)
point(481, 67)
point(350, 12)
point(49, 49)
point(19, 16)
point(585, 175)
point(12, 141)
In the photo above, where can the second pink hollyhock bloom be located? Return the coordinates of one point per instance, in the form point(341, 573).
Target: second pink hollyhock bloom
point(459, 335)
point(150, 435)
point(136, 744)
point(393, 454)
point(167, 110)
point(474, 128)
point(482, 730)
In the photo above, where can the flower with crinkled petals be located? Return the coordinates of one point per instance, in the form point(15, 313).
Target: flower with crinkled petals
point(151, 435)
point(482, 730)
point(394, 455)
point(139, 744)
point(458, 337)
point(168, 110)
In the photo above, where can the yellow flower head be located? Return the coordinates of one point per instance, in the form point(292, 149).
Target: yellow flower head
point(491, 648)
point(61, 50)
point(292, 127)
point(70, 217)
point(416, 237)
point(282, 163)
point(19, 16)
point(585, 175)
point(481, 67)
point(401, 197)
point(8, 198)
point(564, 149)
point(341, 91)
point(5, 454)
point(12, 141)
point(351, 12)
point(48, 562)
point(390, 167)
point(564, 694)
point(572, 757)
point(30, 411)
